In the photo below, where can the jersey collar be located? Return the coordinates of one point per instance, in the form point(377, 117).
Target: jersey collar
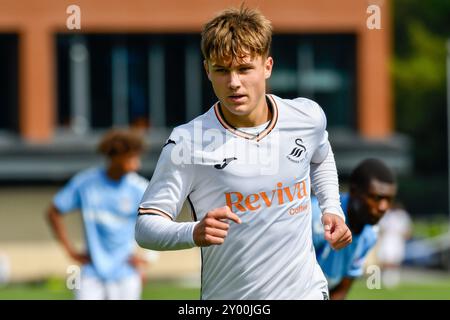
point(273, 108)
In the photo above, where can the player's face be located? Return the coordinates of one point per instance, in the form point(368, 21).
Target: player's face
point(376, 201)
point(240, 86)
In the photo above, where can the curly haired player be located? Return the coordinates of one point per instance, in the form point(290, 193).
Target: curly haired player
point(108, 199)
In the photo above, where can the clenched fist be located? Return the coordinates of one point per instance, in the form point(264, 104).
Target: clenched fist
point(213, 228)
point(337, 232)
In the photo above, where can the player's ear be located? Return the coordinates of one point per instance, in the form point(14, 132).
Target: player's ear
point(205, 64)
point(268, 65)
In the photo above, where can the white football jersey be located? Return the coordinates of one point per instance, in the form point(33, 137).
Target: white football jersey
point(264, 179)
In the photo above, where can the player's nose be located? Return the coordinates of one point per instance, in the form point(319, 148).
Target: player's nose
point(383, 205)
point(234, 82)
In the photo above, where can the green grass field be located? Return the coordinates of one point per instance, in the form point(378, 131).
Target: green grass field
point(55, 289)
point(433, 290)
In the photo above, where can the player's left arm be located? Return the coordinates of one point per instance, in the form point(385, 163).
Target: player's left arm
point(325, 183)
point(341, 290)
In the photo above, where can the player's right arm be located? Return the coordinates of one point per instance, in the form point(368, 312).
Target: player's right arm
point(213, 228)
point(67, 200)
point(171, 183)
point(55, 219)
point(158, 232)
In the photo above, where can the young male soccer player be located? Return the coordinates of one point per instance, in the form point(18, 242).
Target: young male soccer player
point(108, 199)
point(372, 189)
point(245, 166)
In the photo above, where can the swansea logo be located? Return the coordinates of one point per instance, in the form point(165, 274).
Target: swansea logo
point(298, 152)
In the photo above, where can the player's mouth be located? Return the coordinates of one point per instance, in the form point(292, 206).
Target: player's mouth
point(237, 98)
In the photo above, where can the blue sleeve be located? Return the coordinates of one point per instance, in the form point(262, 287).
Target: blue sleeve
point(68, 198)
point(356, 268)
point(140, 188)
point(357, 265)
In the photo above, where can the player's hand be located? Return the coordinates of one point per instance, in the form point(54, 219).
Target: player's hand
point(337, 232)
point(213, 228)
point(81, 258)
point(140, 264)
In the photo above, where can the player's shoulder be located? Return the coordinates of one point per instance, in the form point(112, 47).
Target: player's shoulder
point(136, 180)
point(186, 132)
point(299, 104)
point(301, 107)
point(85, 177)
point(370, 235)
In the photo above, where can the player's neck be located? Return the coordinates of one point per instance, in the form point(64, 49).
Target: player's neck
point(353, 224)
point(258, 116)
point(114, 173)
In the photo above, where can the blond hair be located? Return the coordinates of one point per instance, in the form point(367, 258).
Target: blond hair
point(235, 34)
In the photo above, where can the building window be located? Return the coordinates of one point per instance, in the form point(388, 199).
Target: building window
point(151, 80)
point(8, 82)
point(321, 68)
point(145, 81)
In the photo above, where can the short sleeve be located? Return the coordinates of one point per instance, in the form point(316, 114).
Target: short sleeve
point(140, 184)
point(68, 198)
point(171, 182)
point(357, 265)
point(356, 268)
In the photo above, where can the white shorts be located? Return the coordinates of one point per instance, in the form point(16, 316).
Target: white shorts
point(92, 288)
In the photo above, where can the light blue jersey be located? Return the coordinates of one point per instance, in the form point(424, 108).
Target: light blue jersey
point(346, 262)
point(109, 212)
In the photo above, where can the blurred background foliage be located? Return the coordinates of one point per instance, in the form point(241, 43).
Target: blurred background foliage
point(421, 29)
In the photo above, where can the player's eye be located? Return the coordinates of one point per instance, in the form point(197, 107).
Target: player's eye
point(378, 198)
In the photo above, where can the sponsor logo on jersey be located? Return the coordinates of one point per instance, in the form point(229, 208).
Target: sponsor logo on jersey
point(278, 196)
point(298, 209)
point(298, 153)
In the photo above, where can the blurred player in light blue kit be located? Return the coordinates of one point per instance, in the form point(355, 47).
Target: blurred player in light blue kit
point(108, 199)
point(372, 190)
